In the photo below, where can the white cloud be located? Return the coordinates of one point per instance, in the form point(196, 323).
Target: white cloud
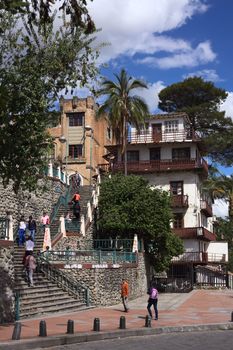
point(150, 95)
point(228, 105)
point(186, 58)
point(206, 74)
point(135, 26)
point(220, 208)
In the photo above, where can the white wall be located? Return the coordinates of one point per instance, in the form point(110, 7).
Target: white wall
point(218, 248)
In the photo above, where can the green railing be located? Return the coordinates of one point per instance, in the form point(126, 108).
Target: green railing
point(91, 256)
point(80, 292)
point(4, 228)
point(113, 244)
point(73, 225)
point(62, 200)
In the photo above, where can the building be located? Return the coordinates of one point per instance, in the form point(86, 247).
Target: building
point(168, 153)
point(80, 138)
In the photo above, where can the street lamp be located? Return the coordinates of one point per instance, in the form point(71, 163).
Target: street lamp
point(89, 128)
point(63, 140)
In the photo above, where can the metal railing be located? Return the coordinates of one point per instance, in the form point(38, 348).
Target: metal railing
point(4, 228)
point(91, 256)
point(73, 287)
point(147, 136)
point(62, 200)
point(73, 226)
point(200, 257)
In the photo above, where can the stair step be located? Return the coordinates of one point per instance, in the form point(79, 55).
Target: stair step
point(54, 304)
point(38, 312)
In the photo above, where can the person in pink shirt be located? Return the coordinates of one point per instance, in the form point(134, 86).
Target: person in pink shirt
point(45, 220)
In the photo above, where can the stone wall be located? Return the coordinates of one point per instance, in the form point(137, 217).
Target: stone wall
point(30, 203)
point(105, 284)
point(6, 282)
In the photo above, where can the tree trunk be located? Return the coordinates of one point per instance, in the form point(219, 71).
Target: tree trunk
point(231, 207)
point(125, 146)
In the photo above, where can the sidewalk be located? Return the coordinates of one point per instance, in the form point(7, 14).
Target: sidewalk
point(199, 307)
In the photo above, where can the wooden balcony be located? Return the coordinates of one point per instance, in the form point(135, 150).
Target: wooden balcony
point(149, 166)
point(180, 201)
point(194, 233)
point(147, 136)
point(206, 208)
point(200, 257)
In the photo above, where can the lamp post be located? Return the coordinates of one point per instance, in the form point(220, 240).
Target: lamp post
point(63, 140)
point(89, 128)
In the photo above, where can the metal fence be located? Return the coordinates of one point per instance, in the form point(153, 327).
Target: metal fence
point(91, 256)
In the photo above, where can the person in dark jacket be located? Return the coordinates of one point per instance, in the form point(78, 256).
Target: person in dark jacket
point(32, 227)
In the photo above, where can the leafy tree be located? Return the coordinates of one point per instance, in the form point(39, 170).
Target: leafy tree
point(37, 63)
point(123, 108)
point(128, 205)
point(225, 233)
point(201, 101)
point(220, 186)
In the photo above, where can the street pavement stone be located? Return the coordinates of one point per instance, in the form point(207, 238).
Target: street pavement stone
point(199, 307)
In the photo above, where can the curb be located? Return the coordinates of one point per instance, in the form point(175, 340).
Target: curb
point(44, 342)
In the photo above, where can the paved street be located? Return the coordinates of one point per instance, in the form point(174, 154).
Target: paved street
point(218, 340)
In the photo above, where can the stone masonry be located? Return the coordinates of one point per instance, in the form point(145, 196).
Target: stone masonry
point(105, 284)
point(6, 283)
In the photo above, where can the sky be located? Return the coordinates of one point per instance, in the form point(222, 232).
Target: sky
point(166, 41)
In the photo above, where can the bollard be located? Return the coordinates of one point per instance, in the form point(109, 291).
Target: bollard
point(148, 321)
point(232, 317)
point(122, 322)
point(70, 327)
point(16, 331)
point(43, 330)
point(96, 326)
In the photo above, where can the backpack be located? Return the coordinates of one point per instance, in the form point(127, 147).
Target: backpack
point(154, 293)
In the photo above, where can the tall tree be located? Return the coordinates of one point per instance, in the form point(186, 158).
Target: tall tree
point(128, 205)
point(201, 101)
point(38, 60)
point(123, 108)
point(220, 186)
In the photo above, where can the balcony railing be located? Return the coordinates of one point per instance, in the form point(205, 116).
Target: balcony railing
point(206, 208)
point(200, 257)
point(146, 136)
point(180, 201)
point(195, 232)
point(158, 165)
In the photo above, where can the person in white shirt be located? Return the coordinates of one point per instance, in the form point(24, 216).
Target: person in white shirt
point(22, 229)
point(29, 245)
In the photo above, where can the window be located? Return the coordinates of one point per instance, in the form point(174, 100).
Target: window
point(154, 153)
point(75, 151)
point(132, 156)
point(178, 220)
point(171, 126)
point(76, 119)
point(109, 133)
point(176, 187)
point(181, 153)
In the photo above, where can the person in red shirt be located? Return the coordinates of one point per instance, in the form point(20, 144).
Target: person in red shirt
point(125, 294)
point(76, 198)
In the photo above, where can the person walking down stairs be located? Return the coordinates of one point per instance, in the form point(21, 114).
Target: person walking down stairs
point(21, 231)
point(32, 227)
point(30, 264)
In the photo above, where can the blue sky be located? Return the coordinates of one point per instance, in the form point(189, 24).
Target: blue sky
point(165, 41)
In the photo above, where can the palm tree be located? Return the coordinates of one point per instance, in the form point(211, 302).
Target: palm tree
point(123, 108)
point(220, 186)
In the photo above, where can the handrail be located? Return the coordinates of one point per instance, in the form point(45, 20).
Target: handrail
point(71, 286)
point(62, 200)
point(91, 256)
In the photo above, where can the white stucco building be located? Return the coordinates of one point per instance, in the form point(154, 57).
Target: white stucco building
point(168, 153)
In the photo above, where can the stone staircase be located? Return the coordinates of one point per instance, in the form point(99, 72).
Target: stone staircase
point(45, 297)
point(85, 193)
